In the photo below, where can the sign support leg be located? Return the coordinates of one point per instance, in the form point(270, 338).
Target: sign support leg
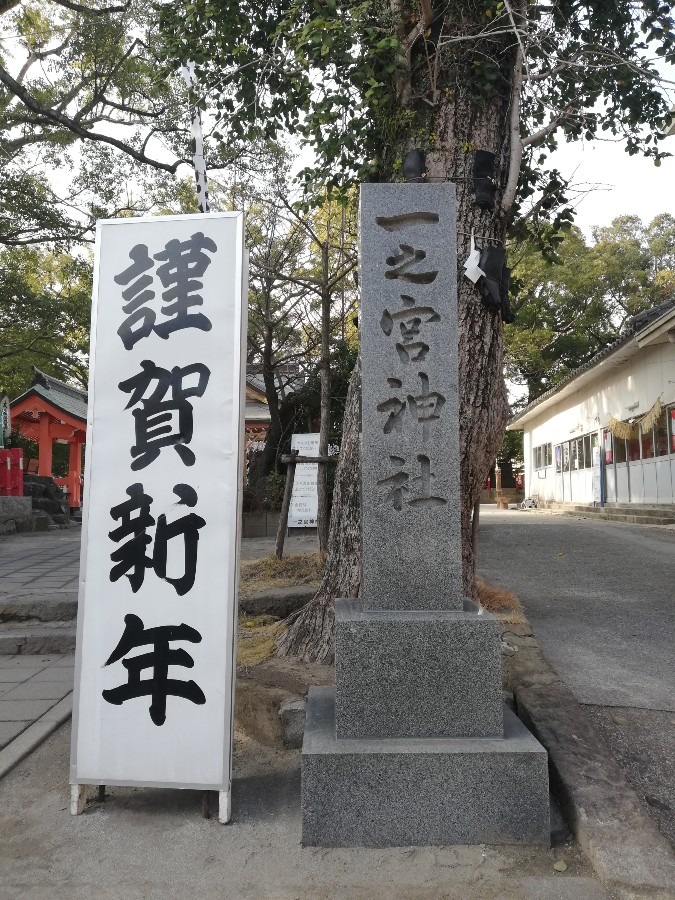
point(224, 807)
point(78, 799)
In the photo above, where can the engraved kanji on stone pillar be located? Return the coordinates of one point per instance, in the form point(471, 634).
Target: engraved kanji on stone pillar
point(412, 557)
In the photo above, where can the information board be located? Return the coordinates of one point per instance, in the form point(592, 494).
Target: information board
point(304, 506)
point(156, 626)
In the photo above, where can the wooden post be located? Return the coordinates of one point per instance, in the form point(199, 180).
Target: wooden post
point(45, 446)
point(285, 505)
point(74, 472)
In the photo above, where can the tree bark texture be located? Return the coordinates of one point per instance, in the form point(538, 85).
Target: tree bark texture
point(308, 633)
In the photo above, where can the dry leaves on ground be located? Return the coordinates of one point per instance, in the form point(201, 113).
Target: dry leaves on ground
point(270, 572)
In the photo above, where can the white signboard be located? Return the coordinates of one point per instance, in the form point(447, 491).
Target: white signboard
point(5, 420)
point(597, 476)
point(158, 573)
point(304, 506)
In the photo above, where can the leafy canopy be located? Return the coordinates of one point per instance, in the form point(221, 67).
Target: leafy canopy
point(45, 303)
point(571, 308)
point(336, 74)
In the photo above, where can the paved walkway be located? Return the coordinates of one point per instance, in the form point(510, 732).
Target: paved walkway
point(40, 572)
point(600, 598)
point(46, 562)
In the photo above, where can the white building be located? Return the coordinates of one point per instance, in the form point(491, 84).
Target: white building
point(617, 412)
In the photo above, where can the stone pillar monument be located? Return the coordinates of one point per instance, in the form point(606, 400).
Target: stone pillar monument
point(414, 746)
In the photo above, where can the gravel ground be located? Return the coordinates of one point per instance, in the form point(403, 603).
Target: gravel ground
point(145, 843)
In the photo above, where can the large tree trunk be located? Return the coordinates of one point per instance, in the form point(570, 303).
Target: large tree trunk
point(460, 126)
point(309, 632)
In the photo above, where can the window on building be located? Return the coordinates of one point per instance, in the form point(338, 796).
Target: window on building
point(542, 456)
point(588, 458)
point(671, 419)
point(607, 445)
point(647, 442)
point(594, 444)
point(633, 447)
point(661, 435)
point(566, 456)
point(619, 450)
point(558, 458)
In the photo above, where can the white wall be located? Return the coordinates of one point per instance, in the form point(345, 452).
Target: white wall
point(642, 378)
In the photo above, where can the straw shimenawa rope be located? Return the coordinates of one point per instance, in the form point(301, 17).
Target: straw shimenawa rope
point(626, 430)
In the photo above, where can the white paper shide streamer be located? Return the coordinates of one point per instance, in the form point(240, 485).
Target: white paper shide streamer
point(188, 72)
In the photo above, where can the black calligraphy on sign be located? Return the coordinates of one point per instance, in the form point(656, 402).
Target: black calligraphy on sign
point(130, 558)
point(400, 486)
point(184, 262)
point(159, 686)
point(162, 421)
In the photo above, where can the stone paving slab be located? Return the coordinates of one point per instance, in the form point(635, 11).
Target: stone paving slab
point(23, 710)
point(16, 675)
point(31, 687)
point(56, 674)
point(6, 686)
point(38, 690)
point(9, 730)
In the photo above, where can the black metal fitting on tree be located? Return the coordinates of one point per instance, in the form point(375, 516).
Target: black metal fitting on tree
point(415, 166)
point(490, 284)
point(484, 185)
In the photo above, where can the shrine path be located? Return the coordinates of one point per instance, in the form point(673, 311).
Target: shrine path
point(600, 598)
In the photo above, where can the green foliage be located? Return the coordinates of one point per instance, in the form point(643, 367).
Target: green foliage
point(571, 307)
point(512, 447)
point(45, 302)
point(82, 77)
point(274, 490)
point(335, 73)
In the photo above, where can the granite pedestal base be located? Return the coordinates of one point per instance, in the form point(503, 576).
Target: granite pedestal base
point(425, 792)
point(416, 673)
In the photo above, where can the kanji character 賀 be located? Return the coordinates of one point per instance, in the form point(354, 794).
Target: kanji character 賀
point(159, 686)
point(130, 558)
point(159, 422)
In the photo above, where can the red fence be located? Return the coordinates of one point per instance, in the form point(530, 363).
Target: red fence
point(11, 473)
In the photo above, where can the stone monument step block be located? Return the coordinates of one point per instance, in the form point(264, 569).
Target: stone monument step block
point(420, 792)
point(417, 673)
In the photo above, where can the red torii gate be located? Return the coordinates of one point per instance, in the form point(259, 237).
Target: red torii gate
point(53, 410)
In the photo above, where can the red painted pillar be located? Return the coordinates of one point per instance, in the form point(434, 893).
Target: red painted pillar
point(74, 473)
point(45, 446)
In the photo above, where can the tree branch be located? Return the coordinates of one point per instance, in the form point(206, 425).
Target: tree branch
point(71, 125)
point(516, 142)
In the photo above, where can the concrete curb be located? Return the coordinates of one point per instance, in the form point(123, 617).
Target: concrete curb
point(35, 734)
point(606, 816)
point(25, 640)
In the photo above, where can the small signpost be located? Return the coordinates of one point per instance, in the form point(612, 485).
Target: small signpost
point(5, 420)
point(304, 498)
point(156, 630)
